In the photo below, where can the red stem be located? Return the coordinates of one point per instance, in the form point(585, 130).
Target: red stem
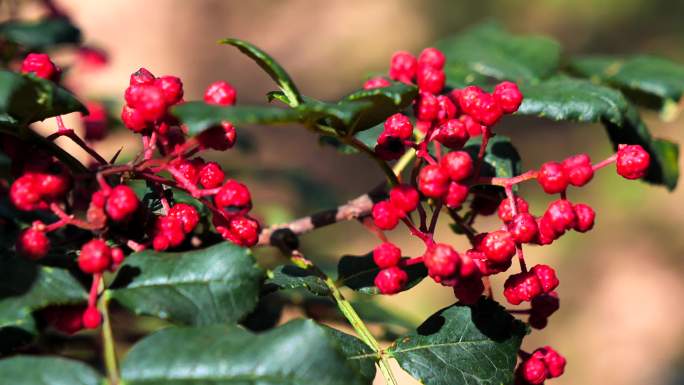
point(69, 219)
point(426, 238)
point(62, 130)
point(94, 286)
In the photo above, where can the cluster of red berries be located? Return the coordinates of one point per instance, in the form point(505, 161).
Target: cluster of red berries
point(41, 66)
point(451, 118)
point(544, 363)
point(43, 183)
point(148, 99)
point(447, 179)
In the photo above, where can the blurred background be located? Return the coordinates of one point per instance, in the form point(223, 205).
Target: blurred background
point(621, 319)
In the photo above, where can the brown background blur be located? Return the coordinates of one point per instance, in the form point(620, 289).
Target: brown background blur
point(622, 314)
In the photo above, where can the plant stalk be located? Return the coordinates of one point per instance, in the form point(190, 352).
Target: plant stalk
point(360, 327)
point(109, 350)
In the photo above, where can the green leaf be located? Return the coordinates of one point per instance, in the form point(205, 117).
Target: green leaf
point(218, 284)
point(490, 51)
point(385, 101)
point(26, 98)
point(342, 114)
point(501, 158)
point(41, 34)
point(33, 370)
point(268, 64)
point(462, 345)
point(297, 353)
point(26, 287)
point(358, 273)
point(198, 116)
point(359, 355)
point(565, 98)
point(294, 277)
point(649, 75)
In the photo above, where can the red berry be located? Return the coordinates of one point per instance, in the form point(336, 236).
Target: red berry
point(505, 210)
point(486, 110)
point(150, 103)
point(452, 134)
point(160, 242)
point(523, 228)
point(221, 93)
point(141, 76)
point(24, 193)
point(508, 96)
point(632, 161)
point(426, 107)
point(498, 246)
point(458, 165)
point(399, 125)
point(561, 215)
point(65, 319)
point(33, 244)
point(95, 122)
point(585, 217)
point(391, 280)
point(171, 87)
point(431, 80)
point(386, 255)
point(555, 363)
point(433, 181)
point(468, 98)
point(404, 197)
point(376, 82)
point(40, 65)
point(187, 214)
point(53, 186)
point(533, 371)
point(469, 266)
point(118, 256)
point(552, 178)
point(432, 57)
point(389, 147)
point(385, 215)
point(522, 287)
point(121, 203)
point(211, 175)
point(91, 58)
point(92, 318)
point(578, 169)
point(95, 257)
point(133, 119)
point(546, 233)
point(99, 198)
point(468, 291)
point(441, 261)
point(133, 93)
point(233, 196)
point(403, 67)
point(219, 138)
point(456, 195)
point(244, 231)
point(472, 126)
point(168, 232)
point(547, 277)
point(447, 109)
point(189, 169)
